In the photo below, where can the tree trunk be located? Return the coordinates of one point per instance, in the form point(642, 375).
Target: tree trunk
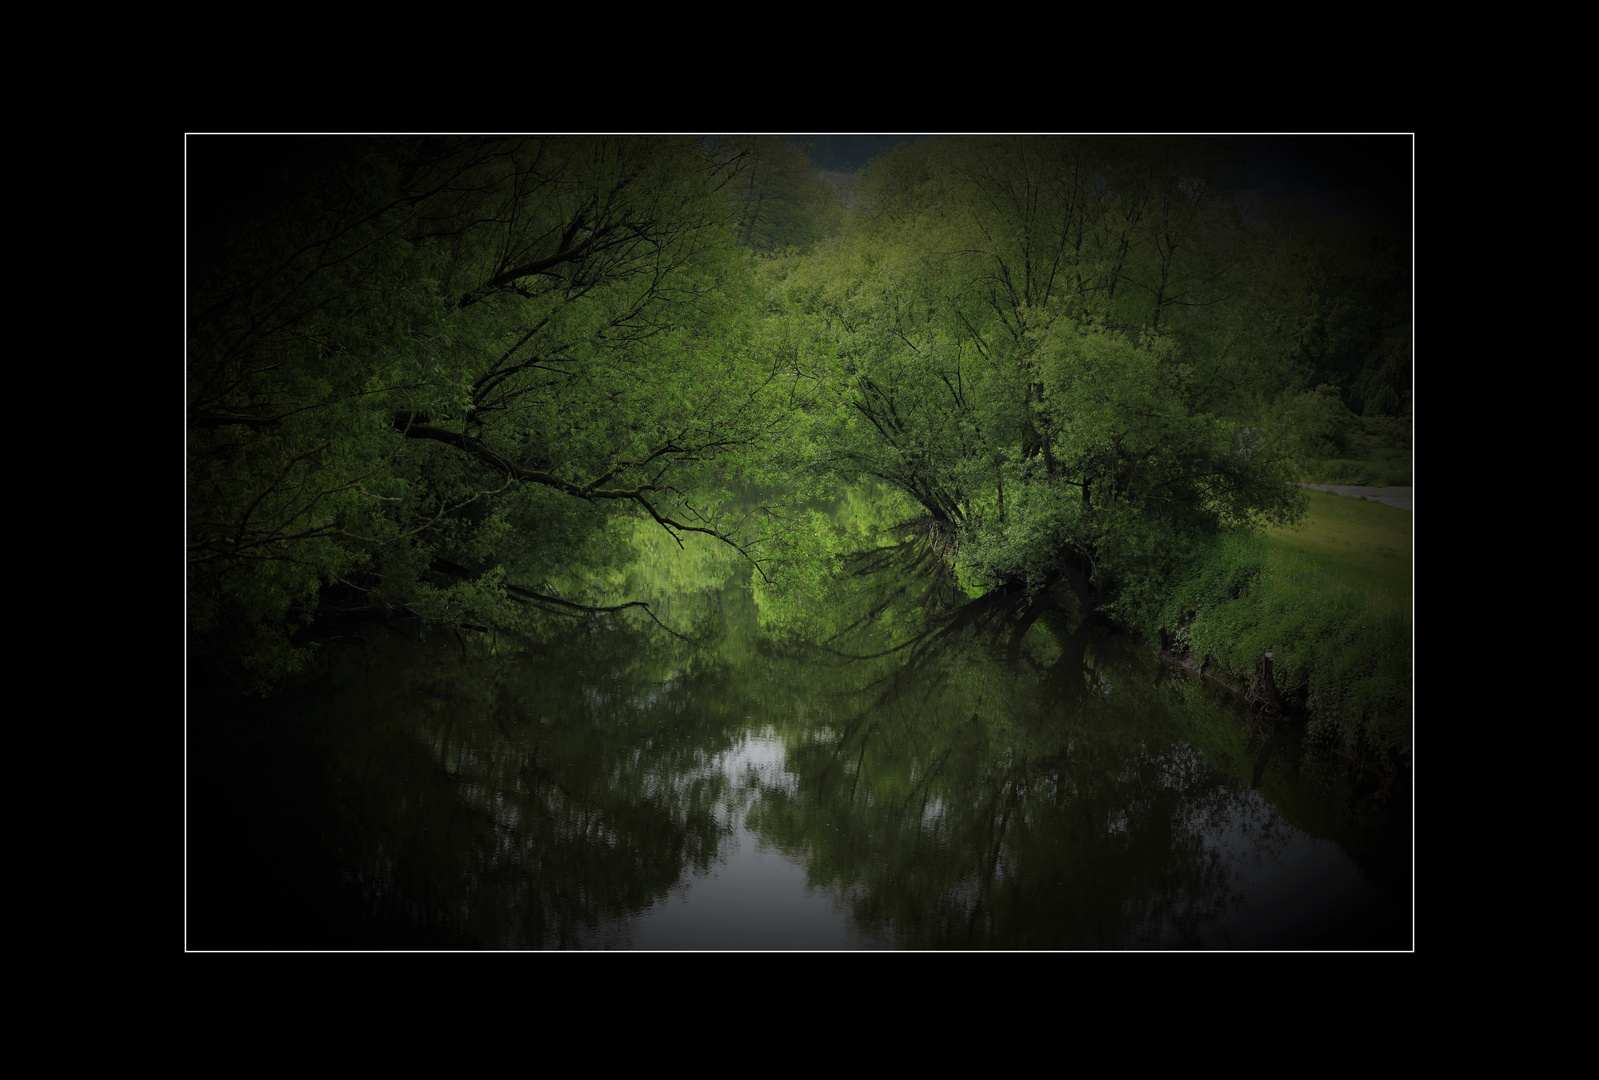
point(1268, 688)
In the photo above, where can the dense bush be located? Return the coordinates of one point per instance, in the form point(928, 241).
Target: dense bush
point(1368, 434)
point(1380, 469)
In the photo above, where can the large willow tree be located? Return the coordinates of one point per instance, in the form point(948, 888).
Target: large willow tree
point(1062, 348)
point(423, 373)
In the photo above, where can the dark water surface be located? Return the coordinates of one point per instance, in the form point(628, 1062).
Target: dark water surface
point(885, 763)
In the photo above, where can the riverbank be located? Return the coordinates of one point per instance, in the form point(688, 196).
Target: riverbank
point(1330, 599)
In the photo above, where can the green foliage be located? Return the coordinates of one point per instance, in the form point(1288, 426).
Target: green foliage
point(779, 200)
point(451, 376)
point(1380, 434)
point(1380, 469)
point(424, 371)
point(1340, 296)
point(820, 560)
point(1222, 570)
point(1334, 446)
point(1031, 338)
point(1317, 422)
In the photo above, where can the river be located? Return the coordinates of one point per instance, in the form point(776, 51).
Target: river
point(883, 762)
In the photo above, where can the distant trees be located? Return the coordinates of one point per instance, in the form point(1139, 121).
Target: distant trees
point(779, 200)
point(1337, 294)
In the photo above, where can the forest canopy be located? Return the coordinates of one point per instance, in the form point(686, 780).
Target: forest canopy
point(430, 375)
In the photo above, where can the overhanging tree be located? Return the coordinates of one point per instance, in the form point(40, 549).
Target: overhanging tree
point(1044, 342)
point(426, 371)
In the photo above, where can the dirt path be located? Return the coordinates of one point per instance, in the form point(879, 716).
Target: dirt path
point(1394, 495)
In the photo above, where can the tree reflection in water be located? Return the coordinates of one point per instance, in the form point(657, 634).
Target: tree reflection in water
point(956, 772)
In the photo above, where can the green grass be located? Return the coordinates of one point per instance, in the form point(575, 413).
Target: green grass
point(1330, 598)
point(1355, 543)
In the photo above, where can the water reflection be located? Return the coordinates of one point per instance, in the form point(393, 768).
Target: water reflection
point(885, 762)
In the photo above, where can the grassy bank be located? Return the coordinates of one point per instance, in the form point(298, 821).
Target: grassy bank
point(1330, 598)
